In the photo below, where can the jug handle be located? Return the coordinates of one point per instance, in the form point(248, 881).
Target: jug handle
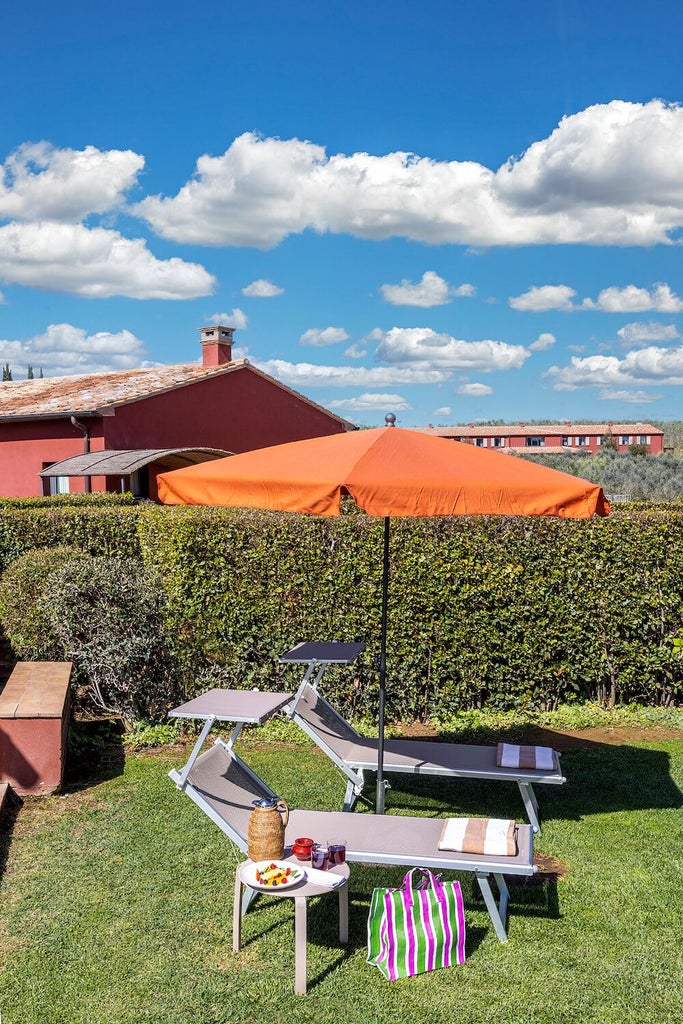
point(282, 805)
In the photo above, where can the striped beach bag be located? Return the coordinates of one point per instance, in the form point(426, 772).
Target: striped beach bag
point(416, 928)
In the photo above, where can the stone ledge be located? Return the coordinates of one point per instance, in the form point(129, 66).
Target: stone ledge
point(36, 689)
point(34, 717)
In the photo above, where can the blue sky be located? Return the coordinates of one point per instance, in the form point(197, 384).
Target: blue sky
point(451, 211)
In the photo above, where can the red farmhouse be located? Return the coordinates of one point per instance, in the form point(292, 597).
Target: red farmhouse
point(556, 438)
point(217, 406)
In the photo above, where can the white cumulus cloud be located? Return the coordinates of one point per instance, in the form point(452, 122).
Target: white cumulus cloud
point(369, 402)
point(474, 390)
point(543, 342)
point(94, 263)
point(421, 346)
point(326, 336)
point(310, 375)
point(355, 352)
point(262, 289)
point(65, 349)
point(444, 410)
point(607, 175)
point(45, 195)
point(431, 290)
point(647, 366)
point(237, 319)
point(635, 397)
point(636, 333)
point(632, 299)
point(39, 182)
point(538, 299)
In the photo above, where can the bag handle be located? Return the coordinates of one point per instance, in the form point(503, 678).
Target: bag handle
point(433, 881)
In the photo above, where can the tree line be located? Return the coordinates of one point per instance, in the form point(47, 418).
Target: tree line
point(7, 373)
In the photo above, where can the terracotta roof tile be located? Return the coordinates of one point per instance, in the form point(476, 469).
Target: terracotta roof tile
point(540, 430)
point(84, 393)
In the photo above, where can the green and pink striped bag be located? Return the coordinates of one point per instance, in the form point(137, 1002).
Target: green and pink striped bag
point(416, 929)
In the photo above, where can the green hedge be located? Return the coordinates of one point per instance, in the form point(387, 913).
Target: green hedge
point(105, 530)
point(497, 612)
point(502, 612)
point(96, 498)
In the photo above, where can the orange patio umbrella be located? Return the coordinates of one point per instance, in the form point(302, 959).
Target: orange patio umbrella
point(388, 472)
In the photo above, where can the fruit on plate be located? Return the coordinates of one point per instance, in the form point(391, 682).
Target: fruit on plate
point(274, 875)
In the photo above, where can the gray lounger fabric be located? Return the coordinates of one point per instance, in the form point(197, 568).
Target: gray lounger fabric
point(224, 787)
point(355, 754)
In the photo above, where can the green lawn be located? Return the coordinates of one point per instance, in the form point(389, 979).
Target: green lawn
point(115, 905)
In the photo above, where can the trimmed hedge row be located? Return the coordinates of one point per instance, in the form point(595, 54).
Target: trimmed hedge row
point(503, 612)
point(63, 500)
point(99, 530)
point(506, 612)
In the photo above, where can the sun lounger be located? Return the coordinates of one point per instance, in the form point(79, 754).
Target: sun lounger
point(355, 754)
point(223, 786)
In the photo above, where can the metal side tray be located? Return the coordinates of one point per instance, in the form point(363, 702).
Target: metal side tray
point(244, 707)
point(318, 655)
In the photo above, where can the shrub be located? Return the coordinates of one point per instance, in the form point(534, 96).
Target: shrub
point(494, 612)
point(22, 613)
point(109, 617)
point(497, 612)
point(95, 500)
point(95, 530)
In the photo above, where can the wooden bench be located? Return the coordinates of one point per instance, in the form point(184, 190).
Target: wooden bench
point(34, 717)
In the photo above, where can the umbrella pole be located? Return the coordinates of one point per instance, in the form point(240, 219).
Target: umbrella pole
point(381, 787)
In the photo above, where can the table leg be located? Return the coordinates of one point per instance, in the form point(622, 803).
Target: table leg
point(237, 914)
point(300, 931)
point(344, 913)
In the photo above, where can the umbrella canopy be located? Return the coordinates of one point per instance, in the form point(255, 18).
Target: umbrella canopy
point(388, 472)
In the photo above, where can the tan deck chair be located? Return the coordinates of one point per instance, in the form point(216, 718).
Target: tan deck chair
point(223, 786)
point(355, 754)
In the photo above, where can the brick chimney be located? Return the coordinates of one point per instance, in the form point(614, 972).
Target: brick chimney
point(216, 345)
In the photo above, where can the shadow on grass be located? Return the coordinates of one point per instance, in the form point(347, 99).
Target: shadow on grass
point(8, 819)
point(322, 922)
point(95, 753)
point(601, 777)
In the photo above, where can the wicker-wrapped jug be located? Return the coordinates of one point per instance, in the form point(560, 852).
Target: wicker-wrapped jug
point(266, 829)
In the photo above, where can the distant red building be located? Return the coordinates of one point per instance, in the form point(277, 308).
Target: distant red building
point(219, 404)
point(556, 438)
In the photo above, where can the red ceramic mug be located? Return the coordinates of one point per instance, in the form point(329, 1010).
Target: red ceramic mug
point(301, 848)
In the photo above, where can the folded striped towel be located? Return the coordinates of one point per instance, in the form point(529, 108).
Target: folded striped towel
point(509, 755)
point(495, 836)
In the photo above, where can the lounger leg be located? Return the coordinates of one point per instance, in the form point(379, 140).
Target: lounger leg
point(350, 796)
point(344, 914)
point(237, 914)
point(206, 729)
point(300, 945)
point(354, 789)
point(531, 804)
point(497, 912)
point(504, 897)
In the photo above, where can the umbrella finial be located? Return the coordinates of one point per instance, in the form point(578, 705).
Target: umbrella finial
point(390, 419)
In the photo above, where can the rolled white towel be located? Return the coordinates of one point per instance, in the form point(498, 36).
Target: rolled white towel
point(511, 755)
point(491, 836)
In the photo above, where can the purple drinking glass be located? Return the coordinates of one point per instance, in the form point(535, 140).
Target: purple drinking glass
point(319, 857)
point(337, 851)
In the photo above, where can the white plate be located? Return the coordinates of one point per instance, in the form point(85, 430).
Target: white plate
point(297, 876)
